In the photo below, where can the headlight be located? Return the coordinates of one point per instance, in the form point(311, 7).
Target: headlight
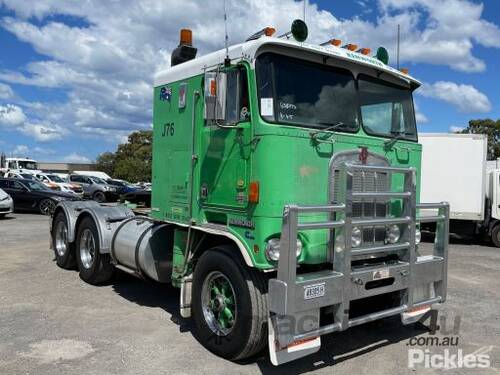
point(273, 249)
point(418, 236)
point(355, 237)
point(392, 234)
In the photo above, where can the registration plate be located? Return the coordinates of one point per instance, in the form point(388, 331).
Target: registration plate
point(314, 291)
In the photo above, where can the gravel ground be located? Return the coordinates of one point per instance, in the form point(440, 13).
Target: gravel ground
point(51, 322)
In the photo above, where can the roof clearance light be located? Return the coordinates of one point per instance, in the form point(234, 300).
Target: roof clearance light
point(333, 42)
point(405, 70)
point(382, 55)
point(299, 30)
point(186, 37)
point(364, 51)
point(267, 31)
point(351, 47)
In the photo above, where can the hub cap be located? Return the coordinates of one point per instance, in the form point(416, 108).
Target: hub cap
point(218, 303)
point(87, 248)
point(61, 238)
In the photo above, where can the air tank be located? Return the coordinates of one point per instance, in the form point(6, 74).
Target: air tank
point(145, 247)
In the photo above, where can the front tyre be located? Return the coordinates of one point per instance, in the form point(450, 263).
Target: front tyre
point(229, 305)
point(99, 197)
point(63, 250)
point(95, 268)
point(46, 206)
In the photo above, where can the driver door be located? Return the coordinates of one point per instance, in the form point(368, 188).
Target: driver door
point(226, 149)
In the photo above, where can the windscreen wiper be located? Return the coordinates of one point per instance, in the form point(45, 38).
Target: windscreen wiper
point(397, 136)
point(331, 127)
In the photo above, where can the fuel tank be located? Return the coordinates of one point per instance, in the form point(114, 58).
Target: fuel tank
point(145, 247)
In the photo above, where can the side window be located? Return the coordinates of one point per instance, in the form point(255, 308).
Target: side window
point(237, 102)
point(87, 180)
point(76, 178)
point(12, 165)
point(16, 185)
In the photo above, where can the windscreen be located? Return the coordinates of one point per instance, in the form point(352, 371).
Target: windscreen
point(27, 165)
point(55, 178)
point(298, 92)
point(35, 185)
point(386, 109)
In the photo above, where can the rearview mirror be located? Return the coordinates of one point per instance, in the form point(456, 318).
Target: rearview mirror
point(215, 96)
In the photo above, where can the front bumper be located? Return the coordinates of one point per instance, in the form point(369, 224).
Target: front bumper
point(414, 283)
point(6, 206)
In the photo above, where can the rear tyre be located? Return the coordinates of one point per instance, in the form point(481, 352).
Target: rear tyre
point(495, 235)
point(99, 197)
point(46, 206)
point(63, 250)
point(229, 305)
point(95, 268)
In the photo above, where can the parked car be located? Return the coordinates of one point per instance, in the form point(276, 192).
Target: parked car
point(122, 187)
point(95, 188)
point(50, 180)
point(22, 176)
point(32, 195)
point(6, 204)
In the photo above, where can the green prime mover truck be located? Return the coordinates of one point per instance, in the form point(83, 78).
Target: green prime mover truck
point(284, 200)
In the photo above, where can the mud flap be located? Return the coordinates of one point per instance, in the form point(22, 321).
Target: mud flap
point(295, 350)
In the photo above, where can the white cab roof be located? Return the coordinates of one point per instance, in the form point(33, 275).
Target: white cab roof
point(249, 50)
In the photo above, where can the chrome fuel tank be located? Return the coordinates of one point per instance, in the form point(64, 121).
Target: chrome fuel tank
point(145, 247)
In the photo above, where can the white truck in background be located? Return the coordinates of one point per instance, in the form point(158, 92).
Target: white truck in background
point(454, 169)
point(18, 165)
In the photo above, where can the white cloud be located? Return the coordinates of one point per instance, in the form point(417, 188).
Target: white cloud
point(466, 98)
point(106, 64)
point(419, 115)
point(11, 116)
point(20, 150)
point(76, 158)
point(44, 132)
point(456, 129)
point(5, 91)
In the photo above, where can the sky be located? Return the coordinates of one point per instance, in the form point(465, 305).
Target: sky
point(76, 76)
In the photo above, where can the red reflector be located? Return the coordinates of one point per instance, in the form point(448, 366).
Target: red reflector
point(253, 192)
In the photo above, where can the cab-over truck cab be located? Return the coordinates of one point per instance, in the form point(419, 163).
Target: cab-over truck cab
point(284, 199)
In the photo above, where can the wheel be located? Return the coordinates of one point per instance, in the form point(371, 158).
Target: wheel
point(495, 235)
point(64, 251)
point(94, 267)
point(46, 206)
point(229, 305)
point(99, 197)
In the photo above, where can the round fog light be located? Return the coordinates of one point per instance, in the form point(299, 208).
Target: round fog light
point(273, 249)
point(392, 234)
point(355, 237)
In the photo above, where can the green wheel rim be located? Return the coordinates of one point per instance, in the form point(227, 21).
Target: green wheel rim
point(219, 303)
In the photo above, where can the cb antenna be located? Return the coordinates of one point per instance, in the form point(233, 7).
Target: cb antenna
point(227, 60)
point(304, 11)
point(397, 53)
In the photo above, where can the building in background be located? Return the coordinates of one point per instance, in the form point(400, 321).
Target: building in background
point(65, 167)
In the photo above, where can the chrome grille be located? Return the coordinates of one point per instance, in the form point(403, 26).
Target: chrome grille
point(366, 182)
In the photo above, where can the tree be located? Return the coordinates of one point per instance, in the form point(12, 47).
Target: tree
point(132, 160)
point(492, 129)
